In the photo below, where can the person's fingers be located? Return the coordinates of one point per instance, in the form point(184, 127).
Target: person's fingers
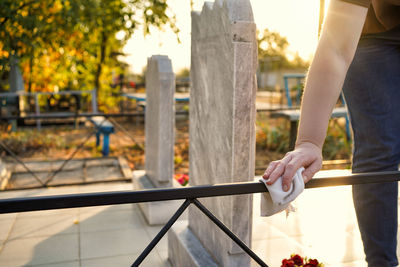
point(279, 169)
point(306, 155)
point(311, 170)
point(291, 167)
point(271, 167)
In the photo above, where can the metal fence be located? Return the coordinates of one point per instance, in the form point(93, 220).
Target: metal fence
point(190, 194)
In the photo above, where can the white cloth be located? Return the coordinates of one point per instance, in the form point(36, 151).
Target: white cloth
point(277, 200)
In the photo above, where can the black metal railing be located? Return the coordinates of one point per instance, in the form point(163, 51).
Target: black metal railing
point(190, 194)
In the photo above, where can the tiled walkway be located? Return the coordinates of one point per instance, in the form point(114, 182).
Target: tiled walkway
point(323, 227)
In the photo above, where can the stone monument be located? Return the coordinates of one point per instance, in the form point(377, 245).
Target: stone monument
point(15, 104)
point(222, 133)
point(159, 132)
point(4, 175)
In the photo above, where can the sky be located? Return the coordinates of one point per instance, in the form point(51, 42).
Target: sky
point(297, 20)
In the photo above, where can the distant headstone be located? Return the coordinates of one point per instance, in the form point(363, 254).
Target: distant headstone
point(15, 104)
point(222, 128)
point(16, 81)
point(160, 121)
point(159, 132)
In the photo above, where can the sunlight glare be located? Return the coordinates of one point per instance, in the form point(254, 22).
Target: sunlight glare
point(294, 19)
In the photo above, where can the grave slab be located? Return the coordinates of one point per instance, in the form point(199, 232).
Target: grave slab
point(222, 120)
point(160, 139)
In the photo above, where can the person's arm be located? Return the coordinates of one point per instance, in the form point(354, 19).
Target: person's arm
point(335, 51)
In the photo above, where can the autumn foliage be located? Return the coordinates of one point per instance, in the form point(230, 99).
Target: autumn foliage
point(73, 44)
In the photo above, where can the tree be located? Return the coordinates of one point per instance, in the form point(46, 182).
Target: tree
point(273, 52)
point(73, 44)
point(23, 27)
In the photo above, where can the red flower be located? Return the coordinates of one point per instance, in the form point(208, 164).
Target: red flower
point(287, 263)
point(183, 179)
point(312, 263)
point(297, 259)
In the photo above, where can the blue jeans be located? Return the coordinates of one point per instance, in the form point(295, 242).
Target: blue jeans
point(372, 93)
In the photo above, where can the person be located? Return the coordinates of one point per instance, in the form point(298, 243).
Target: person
point(359, 51)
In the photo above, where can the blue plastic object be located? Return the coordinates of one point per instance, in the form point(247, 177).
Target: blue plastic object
point(105, 128)
point(299, 77)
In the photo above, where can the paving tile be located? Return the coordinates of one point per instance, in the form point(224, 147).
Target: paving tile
point(73, 212)
point(110, 219)
point(334, 249)
point(6, 224)
point(60, 264)
point(106, 187)
point(62, 190)
point(262, 230)
point(360, 263)
point(20, 193)
point(111, 243)
point(262, 226)
point(44, 226)
point(162, 247)
point(97, 209)
point(333, 212)
point(122, 260)
point(88, 211)
point(152, 231)
point(272, 251)
point(17, 262)
point(8, 216)
point(40, 250)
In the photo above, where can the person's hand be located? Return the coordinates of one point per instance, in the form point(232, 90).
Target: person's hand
point(305, 155)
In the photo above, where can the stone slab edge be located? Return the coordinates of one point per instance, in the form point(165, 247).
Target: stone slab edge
point(155, 213)
point(185, 250)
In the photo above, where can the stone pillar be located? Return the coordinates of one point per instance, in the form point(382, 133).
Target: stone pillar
point(159, 131)
point(4, 175)
point(15, 105)
point(160, 121)
point(222, 131)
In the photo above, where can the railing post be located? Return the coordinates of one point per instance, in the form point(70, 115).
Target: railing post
point(37, 111)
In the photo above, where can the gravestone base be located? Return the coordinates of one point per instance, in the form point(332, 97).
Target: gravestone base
point(159, 212)
point(184, 249)
point(4, 175)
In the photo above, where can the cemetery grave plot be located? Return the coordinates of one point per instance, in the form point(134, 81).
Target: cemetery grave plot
point(76, 171)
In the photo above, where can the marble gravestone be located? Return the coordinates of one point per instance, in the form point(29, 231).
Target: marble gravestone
point(160, 121)
point(159, 143)
point(4, 175)
point(16, 105)
point(222, 132)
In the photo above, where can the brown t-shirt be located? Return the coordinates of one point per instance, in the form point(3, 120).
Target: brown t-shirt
point(383, 15)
